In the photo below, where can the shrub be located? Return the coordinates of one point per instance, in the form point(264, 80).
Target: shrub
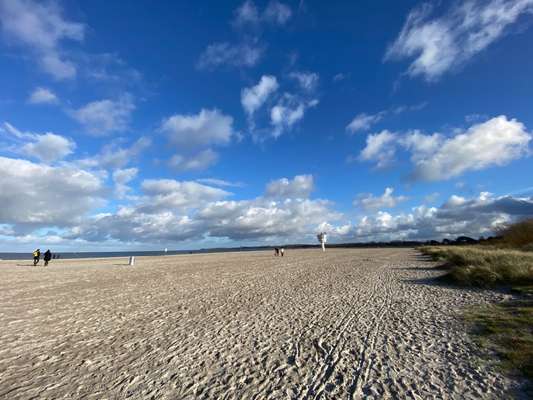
point(519, 234)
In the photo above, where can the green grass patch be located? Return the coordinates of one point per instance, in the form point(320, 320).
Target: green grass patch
point(506, 329)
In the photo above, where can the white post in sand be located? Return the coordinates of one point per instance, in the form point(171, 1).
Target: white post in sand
point(322, 238)
point(132, 260)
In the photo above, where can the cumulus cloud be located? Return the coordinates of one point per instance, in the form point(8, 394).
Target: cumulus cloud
point(495, 142)
point(236, 55)
point(168, 210)
point(252, 98)
point(47, 147)
point(41, 27)
point(171, 210)
point(36, 195)
point(122, 177)
point(275, 13)
point(103, 117)
point(308, 81)
point(456, 217)
point(42, 96)
point(300, 186)
point(380, 147)
point(169, 194)
point(195, 162)
point(287, 112)
point(386, 200)
point(113, 156)
point(261, 219)
point(439, 44)
point(208, 127)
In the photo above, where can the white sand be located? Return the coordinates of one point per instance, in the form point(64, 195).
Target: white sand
point(344, 324)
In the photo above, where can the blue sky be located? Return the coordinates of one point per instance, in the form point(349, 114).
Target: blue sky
point(198, 124)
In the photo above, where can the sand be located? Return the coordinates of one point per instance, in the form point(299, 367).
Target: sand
point(361, 323)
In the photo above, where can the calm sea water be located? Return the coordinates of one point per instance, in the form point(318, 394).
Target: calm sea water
point(28, 256)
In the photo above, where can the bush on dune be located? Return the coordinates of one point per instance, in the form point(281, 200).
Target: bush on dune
point(518, 235)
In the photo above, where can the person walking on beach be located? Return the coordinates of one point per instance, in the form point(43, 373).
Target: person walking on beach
point(276, 251)
point(282, 251)
point(47, 257)
point(36, 257)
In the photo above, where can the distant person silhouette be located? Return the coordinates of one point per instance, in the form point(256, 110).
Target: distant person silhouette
point(36, 257)
point(282, 251)
point(47, 257)
point(276, 251)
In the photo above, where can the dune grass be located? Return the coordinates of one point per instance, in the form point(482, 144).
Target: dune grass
point(484, 266)
point(505, 328)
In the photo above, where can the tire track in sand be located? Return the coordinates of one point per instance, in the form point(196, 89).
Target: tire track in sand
point(333, 356)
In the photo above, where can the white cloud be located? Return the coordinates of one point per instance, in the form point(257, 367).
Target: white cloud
point(175, 211)
point(275, 13)
point(287, 112)
point(35, 195)
point(495, 142)
point(105, 116)
point(252, 98)
point(262, 219)
point(196, 162)
point(308, 81)
point(339, 77)
point(219, 182)
point(236, 55)
point(300, 187)
point(208, 127)
point(456, 217)
point(42, 96)
point(443, 43)
point(48, 147)
point(113, 156)
point(247, 13)
point(363, 122)
point(41, 27)
point(386, 200)
point(169, 194)
point(380, 147)
point(122, 177)
point(170, 211)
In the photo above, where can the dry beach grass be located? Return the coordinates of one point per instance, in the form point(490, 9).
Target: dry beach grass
point(350, 323)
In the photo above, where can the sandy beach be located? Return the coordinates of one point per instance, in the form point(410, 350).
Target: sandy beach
point(348, 323)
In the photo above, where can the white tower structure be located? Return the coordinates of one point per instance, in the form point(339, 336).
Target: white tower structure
point(322, 238)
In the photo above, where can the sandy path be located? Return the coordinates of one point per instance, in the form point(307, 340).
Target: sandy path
point(345, 324)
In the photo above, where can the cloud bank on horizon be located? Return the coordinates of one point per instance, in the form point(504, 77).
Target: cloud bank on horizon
point(265, 129)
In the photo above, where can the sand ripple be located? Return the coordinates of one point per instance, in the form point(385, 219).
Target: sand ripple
point(347, 324)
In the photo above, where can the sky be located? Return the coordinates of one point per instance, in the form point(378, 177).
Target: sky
point(186, 125)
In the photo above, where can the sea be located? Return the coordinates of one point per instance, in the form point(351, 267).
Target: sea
point(106, 254)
